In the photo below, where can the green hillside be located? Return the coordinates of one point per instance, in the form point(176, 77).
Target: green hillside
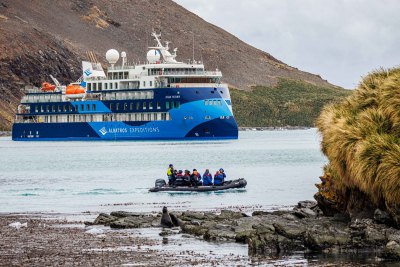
point(290, 103)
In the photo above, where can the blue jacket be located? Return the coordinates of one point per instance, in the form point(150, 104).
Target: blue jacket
point(207, 179)
point(219, 178)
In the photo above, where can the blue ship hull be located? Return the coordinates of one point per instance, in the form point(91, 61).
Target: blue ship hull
point(192, 120)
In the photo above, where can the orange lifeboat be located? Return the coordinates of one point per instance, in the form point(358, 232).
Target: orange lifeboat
point(48, 87)
point(74, 89)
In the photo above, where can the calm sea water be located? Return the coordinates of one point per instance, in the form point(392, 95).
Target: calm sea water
point(281, 168)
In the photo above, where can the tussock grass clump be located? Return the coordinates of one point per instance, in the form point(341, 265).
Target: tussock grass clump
point(360, 137)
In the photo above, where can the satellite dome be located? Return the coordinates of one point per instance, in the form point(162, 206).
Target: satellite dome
point(123, 54)
point(112, 56)
point(153, 56)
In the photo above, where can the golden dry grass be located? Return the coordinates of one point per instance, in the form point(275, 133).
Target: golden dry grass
point(360, 137)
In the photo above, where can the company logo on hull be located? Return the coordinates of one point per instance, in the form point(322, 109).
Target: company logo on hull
point(103, 131)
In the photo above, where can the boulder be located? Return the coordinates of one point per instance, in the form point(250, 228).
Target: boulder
point(392, 250)
point(381, 216)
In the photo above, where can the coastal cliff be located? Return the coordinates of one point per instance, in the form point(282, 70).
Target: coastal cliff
point(360, 137)
point(38, 38)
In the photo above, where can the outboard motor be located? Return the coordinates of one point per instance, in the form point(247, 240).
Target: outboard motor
point(160, 183)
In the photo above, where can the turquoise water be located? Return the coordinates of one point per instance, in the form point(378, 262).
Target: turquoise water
point(281, 168)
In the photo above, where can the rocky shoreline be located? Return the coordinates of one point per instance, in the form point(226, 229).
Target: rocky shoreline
point(273, 128)
point(5, 133)
point(304, 229)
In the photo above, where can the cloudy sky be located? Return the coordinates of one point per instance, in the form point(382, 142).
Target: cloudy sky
point(341, 40)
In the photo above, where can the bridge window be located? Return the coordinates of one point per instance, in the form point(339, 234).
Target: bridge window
point(167, 105)
point(158, 105)
point(117, 106)
point(150, 105)
point(137, 106)
point(144, 105)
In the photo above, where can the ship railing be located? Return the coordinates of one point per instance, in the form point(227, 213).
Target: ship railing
point(125, 67)
point(197, 85)
point(191, 73)
point(28, 89)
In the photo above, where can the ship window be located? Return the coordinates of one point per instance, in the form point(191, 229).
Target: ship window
point(158, 105)
point(215, 102)
point(94, 86)
point(151, 105)
point(53, 108)
point(89, 86)
point(59, 108)
point(82, 107)
point(116, 86)
point(65, 108)
point(167, 105)
point(221, 92)
point(36, 108)
point(149, 116)
point(151, 83)
point(144, 105)
point(206, 102)
point(142, 116)
point(111, 85)
point(137, 105)
point(41, 108)
point(125, 106)
point(177, 104)
point(100, 87)
point(144, 83)
point(219, 103)
point(126, 75)
point(120, 76)
point(87, 106)
point(117, 106)
point(212, 92)
point(105, 86)
point(70, 108)
point(94, 107)
point(131, 106)
point(172, 104)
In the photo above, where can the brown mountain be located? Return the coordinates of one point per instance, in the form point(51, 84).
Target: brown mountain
point(42, 37)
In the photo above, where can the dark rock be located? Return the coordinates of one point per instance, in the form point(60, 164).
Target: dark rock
point(134, 222)
point(304, 212)
point(307, 204)
point(381, 216)
point(104, 219)
point(122, 214)
point(260, 213)
point(392, 250)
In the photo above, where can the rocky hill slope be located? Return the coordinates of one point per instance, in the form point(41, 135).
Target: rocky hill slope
point(42, 37)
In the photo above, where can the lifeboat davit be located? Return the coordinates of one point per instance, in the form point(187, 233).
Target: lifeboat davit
point(48, 87)
point(75, 90)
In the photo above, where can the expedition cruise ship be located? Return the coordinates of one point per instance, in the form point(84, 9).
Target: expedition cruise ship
point(161, 100)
